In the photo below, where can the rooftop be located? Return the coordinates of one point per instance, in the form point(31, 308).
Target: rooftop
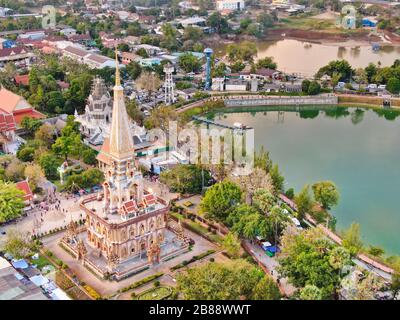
point(14, 286)
point(141, 209)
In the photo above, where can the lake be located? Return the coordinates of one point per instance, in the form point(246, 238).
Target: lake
point(358, 149)
point(294, 56)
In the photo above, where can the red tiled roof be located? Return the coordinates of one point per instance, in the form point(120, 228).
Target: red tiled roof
point(63, 84)
point(76, 51)
point(130, 206)
point(266, 72)
point(103, 155)
point(7, 122)
point(79, 37)
point(32, 113)
point(6, 52)
point(48, 50)
point(149, 199)
point(24, 187)
point(22, 79)
point(8, 100)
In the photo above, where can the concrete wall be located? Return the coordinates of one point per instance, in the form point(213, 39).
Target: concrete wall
point(281, 100)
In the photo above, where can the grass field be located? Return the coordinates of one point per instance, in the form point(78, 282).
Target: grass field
point(308, 24)
point(159, 293)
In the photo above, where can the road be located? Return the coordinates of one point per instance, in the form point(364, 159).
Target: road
point(271, 265)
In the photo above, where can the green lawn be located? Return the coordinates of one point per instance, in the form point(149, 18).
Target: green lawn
point(41, 262)
point(199, 228)
point(159, 293)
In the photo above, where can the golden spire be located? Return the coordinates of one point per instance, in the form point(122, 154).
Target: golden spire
point(121, 141)
point(117, 75)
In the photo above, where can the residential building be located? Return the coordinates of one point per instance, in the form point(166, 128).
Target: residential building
point(15, 54)
point(192, 22)
point(236, 85)
point(128, 57)
point(230, 5)
point(93, 60)
point(15, 286)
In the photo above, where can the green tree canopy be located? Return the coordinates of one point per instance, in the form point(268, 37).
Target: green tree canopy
point(308, 258)
point(263, 199)
point(303, 202)
point(310, 292)
point(11, 202)
point(351, 239)
point(393, 85)
point(326, 193)
point(232, 280)
point(220, 199)
point(185, 178)
point(189, 62)
point(18, 244)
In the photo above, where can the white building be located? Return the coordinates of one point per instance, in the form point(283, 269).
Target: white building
point(96, 121)
point(193, 22)
point(230, 5)
point(93, 60)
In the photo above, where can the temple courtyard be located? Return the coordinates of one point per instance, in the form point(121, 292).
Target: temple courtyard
point(110, 288)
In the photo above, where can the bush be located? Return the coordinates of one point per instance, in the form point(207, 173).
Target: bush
point(194, 258)
point(26, 154)
point(156, 284)
point(89, 156)
point(142, 282)
point(93, 293)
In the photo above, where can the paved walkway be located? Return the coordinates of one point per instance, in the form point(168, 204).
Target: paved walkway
point(271, 265)
point(40, 220)
point(106, 288)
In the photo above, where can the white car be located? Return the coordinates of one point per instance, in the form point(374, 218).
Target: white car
point(382, 87)
point(296, 222)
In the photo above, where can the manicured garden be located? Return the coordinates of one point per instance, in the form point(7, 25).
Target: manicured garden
point(159, 293)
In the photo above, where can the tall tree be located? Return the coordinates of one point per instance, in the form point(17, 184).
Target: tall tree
point(303, 202)
point(326, 193)
point(231, 280)
point(220, 199)
point(352, 239)
point(18, 244)
point(11, 202)
point(231, 245)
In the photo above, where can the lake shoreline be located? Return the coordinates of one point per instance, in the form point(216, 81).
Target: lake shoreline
point(314, 37)
point(334, 161)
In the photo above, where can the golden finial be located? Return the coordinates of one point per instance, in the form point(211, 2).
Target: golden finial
point(117, 76)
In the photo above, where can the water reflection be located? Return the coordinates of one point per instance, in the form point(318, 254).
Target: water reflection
point(354, 147)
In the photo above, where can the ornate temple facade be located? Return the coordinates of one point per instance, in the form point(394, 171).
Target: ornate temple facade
point(96, 121)
point(126, 225)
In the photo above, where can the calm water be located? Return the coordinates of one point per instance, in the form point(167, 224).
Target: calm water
point(358, 151)
point(306, 58)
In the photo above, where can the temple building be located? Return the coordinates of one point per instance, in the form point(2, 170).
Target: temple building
point(127, 226)
point(96, 121)
point(8, 140)
point(16, 105)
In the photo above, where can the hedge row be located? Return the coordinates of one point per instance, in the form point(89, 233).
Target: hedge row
point(93, 293)
point(142, 282)
point(194, 258)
